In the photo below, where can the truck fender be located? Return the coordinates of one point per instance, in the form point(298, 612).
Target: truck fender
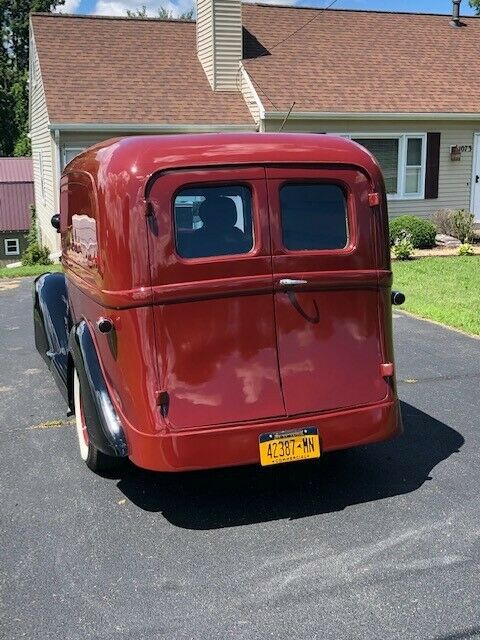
point(51, 319)
point(103, 424)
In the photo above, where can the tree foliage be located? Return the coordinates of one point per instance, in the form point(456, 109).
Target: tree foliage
point(163, 13)
point(14, 16)
point(475, 4)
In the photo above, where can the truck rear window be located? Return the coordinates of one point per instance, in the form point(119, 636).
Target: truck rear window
point(213, 221)
point(314, 216)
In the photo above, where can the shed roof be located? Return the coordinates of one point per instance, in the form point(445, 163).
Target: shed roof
point(16, 170)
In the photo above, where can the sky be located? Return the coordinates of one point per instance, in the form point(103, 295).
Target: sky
point(119, 7)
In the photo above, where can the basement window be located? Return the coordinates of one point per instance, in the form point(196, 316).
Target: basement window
point(12, 247)
point(402, 158)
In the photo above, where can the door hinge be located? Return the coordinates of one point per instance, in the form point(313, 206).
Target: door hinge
point(374, 199)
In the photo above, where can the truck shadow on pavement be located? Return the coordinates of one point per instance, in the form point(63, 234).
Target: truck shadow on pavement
point(246, 495)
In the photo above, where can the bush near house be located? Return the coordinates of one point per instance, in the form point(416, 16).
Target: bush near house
point(35, 253)
point(422, 232)
point(462, 225)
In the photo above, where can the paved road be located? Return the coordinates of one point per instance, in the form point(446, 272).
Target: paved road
point(378, 542)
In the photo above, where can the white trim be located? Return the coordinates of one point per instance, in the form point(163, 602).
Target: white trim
point(358, 115)
point(149, 128)
point(58, 164)
point(256, 97)
point(16, 252)
point(473, 185)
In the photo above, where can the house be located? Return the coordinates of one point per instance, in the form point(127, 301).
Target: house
point(404, 85)
point(16, 196)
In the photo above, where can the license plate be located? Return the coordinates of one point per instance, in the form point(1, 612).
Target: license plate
point(289, 446)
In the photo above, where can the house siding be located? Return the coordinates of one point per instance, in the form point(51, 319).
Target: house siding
point(205, 37)
point(219, 42)
point(454, 190)
point(43, 155)
point(249, 95)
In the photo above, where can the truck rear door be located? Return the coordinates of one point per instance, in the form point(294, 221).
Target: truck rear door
point(326, 288)
point(211, 272)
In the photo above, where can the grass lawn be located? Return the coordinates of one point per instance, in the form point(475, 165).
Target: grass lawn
point(18, 272)
point(443, 289)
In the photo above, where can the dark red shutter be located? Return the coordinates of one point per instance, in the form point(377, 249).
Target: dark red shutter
point(433, 164)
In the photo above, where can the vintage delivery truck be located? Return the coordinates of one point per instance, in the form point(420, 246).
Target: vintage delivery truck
point(226, 300)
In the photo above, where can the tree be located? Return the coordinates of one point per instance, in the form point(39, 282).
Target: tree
point(163, 13)
point(475, 4)
point(14, 16)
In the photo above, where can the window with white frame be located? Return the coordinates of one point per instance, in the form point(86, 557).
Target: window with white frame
point(402, 158)
point(12, 247)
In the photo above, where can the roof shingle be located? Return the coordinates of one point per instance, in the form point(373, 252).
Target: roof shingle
point(117, 70)
point(363, 61)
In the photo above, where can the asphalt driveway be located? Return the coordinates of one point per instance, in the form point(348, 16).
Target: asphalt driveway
point(377, 542)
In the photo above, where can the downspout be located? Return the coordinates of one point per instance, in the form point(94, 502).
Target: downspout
point(58, 173)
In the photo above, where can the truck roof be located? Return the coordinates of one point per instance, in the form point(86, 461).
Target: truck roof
point(140, 157)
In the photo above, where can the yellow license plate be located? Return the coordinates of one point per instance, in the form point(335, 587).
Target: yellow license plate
point(289, 446)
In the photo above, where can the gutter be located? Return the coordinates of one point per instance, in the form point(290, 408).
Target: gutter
point(149, 128)
point(358, 115)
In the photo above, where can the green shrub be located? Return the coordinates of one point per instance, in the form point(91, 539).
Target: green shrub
point(35, 253)
point(422, 231)
point(402, 246)
point(465, 249)
point(462, 225)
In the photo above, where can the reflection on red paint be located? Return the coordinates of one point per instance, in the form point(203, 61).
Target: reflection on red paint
point(234, 351)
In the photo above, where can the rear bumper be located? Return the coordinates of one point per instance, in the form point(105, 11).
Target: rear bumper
point(232, 446)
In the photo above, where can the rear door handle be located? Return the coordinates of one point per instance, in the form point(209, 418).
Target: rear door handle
point(288, 282)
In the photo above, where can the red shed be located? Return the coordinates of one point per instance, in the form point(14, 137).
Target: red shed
point(16, 196)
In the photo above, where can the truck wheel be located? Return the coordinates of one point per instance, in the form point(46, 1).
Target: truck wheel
point(96, 460)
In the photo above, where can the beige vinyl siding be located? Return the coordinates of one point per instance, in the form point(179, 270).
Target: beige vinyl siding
point(228, 44)
point(44, 157)
point(250, 96)
point(219, 42)
point(205, 37)
point(454, 177)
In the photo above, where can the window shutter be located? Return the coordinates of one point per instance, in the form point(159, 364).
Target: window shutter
point(433, 164)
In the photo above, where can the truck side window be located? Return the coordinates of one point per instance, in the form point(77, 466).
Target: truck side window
point(314, 216)
point(213, 221)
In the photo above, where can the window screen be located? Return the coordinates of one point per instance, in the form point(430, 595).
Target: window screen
point(314, 216)
point(386, 152)
point(213, 221)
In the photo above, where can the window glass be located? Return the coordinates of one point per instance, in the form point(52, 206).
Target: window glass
point(213, 221)
point(414, 151)
point(314, 216)
point(386, 152)
point(12, 247)
point(413, 169)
